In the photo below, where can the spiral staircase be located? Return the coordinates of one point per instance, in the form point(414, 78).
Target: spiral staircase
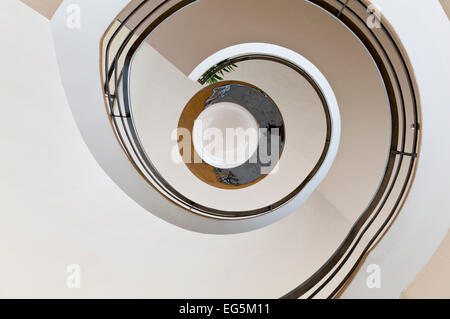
point(361, 178)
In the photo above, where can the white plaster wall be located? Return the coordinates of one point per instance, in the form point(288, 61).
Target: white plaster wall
point(424, 221)
point(313, 33)
point(57, 206)
point(159, 93)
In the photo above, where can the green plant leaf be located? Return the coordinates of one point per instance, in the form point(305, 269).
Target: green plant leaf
point(214, 78)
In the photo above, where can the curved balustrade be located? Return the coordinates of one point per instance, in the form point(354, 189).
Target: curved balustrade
point(394, 70)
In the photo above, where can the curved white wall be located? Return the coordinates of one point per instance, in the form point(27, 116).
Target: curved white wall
point(58, 207)
point(339, 55)
point(424, 221)
point(52, 208)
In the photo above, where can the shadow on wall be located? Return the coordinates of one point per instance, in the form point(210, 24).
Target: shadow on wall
point(47, 8)
point(434, 279)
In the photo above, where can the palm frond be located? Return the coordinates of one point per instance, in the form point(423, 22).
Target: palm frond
point(212, 78)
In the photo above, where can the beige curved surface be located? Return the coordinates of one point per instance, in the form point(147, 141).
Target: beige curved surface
point(433, 282)
point(364, 147)
point(45, 7)
point(66, 222)
point(158, 98)
point(58, 207)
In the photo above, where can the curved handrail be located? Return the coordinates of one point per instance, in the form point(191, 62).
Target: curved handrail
point(398, 173)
